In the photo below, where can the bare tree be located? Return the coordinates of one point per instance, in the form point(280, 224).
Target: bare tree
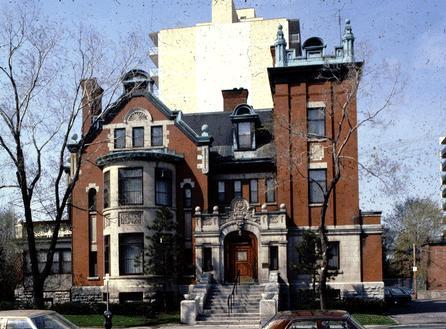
point(45, 72)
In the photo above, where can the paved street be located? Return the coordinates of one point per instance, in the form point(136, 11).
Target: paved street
point(421, 312)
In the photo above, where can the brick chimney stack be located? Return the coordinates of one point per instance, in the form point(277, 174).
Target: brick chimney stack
point(234, 97)
point(91, 102)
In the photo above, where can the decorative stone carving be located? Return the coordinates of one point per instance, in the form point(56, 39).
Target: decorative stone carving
point(239, 209)
point(130, 218)
point(316, 152)
point(107, 221)
point(137, 116)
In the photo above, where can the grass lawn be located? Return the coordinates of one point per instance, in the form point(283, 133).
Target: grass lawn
point(375, 319)
point(97, 320)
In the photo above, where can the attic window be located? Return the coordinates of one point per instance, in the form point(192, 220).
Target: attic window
point(245, 135)
point(244, 120)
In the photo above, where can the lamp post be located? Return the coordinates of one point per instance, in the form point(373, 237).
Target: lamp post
point(414, 269)
point(107, 313)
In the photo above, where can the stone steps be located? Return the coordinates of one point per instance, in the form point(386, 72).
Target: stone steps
point(245, 309)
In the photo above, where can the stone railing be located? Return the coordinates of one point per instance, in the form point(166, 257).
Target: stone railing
point(269, 304)
point(265, 219)
point(193, 304)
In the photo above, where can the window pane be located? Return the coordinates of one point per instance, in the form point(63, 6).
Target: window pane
point(187, 196)
point(244, 135)
point(270, 190)
point(317, 185)
point(92, 199)
point(55, 266)
point(253, 191)
point(93, 264)
point(138, 137)
point(131, 249)
point(163, 187)
point(188, 225)
point(273, 258)
point(17, 324)
point(157, 136)
point(66, 261)
point(130, 186)
point(107, 189)
point(316, 122)
point(333, 255)
point(207, 259)
point(237, 189)
point(221, 191)
point(119, 138)
point(106, 254)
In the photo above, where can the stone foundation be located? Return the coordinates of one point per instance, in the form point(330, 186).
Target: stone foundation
point(87, 295)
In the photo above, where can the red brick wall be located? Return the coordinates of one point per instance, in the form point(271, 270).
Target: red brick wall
point(292, 147)
point(90, 173)
point(436, 269)
point(372, 258)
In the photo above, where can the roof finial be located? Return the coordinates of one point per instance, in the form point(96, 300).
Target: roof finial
point(279, 36)
point(347, 42)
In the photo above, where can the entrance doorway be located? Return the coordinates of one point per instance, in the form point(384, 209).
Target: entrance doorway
point(241, 255)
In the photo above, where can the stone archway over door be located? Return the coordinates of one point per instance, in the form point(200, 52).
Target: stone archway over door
point(241, 255)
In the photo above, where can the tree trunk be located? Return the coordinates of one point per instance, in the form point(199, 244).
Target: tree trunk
point(38, 283)
point(324, 269)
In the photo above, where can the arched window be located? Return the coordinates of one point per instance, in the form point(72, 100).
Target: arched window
point(92, 199)
point(187, 196)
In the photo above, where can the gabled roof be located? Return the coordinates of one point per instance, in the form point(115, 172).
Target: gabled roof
point(108, 115)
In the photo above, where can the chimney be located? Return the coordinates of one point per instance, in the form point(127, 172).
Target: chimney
point(234, 97)
point(91, 102)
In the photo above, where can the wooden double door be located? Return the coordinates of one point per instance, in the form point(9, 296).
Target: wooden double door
point(241, 255)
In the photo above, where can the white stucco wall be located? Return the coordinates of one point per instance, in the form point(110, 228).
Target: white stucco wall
point(196, 63)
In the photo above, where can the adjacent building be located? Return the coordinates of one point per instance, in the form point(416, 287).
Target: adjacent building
point(57, 287)
point(243, 183)
point(195, 63)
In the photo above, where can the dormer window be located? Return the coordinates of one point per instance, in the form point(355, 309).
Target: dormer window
point(244, 135)
point(314, 48)
point(244, 120)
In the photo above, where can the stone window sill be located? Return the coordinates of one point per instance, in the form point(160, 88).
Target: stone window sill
point(93, 278)
point(315, 205)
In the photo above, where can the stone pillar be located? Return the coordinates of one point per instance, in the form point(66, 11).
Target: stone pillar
point(268, 308)
point(283, 261)
point(188, 312)
point(216, 261)
point(198, 260)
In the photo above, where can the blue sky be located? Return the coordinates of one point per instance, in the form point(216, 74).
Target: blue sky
point(409, 34)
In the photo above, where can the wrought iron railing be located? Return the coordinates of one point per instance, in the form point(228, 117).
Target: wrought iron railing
point(233, 293)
